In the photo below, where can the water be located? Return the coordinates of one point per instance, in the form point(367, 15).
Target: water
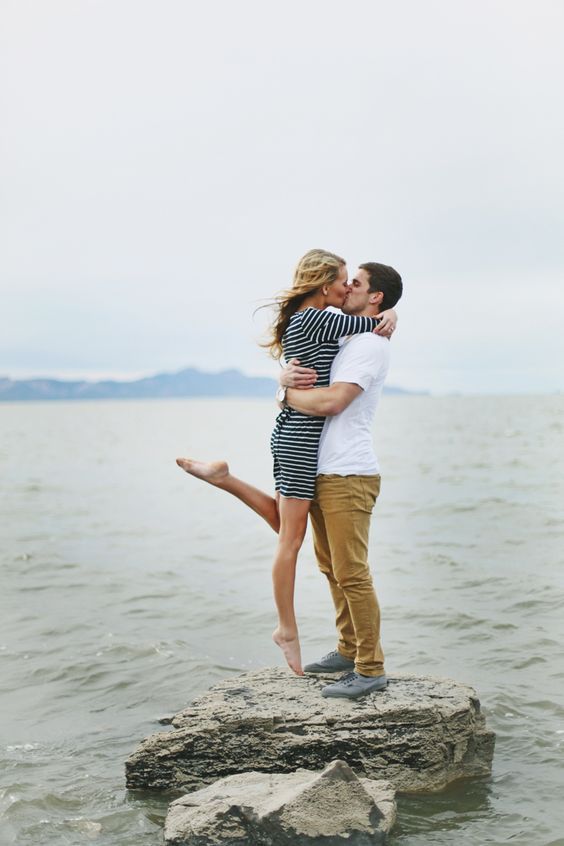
point(129, 588)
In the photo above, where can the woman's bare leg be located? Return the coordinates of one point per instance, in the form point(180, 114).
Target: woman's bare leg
point(291, 529)
point(293, 523)
point(217, 474)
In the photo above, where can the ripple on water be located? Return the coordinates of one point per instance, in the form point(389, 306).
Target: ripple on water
point(467, 549)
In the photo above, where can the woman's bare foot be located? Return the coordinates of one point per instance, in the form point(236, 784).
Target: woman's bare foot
point(290, 646)
point(213, 472)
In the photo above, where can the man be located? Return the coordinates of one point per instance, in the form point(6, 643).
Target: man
point(348, 483)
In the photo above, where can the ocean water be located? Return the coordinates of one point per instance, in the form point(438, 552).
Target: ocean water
point(128, 588)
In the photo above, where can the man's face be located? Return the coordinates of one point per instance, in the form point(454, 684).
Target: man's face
point(359, 293)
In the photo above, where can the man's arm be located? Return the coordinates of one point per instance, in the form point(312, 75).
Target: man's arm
point(323, 402)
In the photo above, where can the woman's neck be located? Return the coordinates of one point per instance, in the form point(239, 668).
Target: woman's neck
point(318, 300)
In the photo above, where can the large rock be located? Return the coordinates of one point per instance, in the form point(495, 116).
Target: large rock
point(420, 734)
point(297, 809)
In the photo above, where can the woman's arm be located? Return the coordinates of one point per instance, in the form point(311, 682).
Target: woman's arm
point(324, 326)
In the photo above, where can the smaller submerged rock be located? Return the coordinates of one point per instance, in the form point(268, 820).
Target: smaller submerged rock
point(294, 809)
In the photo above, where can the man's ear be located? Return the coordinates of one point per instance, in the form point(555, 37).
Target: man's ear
point(376, 298)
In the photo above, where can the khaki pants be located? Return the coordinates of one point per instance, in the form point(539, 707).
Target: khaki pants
point(340, 518)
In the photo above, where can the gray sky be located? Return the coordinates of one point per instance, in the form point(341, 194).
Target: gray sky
point(164, 165)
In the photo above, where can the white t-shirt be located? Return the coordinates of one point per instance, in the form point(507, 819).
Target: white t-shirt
point(346, 447)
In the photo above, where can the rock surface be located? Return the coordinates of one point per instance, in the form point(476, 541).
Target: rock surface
point(298, 809)
point(420, 734)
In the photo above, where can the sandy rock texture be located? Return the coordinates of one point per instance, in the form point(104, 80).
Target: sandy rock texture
point(420, 734)
point(295, 809)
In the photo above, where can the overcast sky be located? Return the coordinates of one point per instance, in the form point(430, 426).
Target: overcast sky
point(165, 163)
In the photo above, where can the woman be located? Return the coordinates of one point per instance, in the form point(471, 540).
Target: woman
point(302, 329)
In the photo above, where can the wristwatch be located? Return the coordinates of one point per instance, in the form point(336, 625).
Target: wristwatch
point(281, 394)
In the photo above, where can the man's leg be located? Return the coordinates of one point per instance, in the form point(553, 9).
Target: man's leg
point(217, 474)
point(347, 503)
point(347, 639)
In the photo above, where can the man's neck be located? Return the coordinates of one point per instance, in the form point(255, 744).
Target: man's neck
point(369, 311)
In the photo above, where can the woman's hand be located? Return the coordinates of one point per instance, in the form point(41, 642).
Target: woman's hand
point(388, 323)
point(294, 376)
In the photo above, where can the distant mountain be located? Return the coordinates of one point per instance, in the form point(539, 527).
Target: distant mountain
point(186, 383)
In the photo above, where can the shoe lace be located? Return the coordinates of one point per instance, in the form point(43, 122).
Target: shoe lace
point(347, 679)
point(330, 655)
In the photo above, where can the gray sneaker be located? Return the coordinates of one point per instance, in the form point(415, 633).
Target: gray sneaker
point(354, 685)
point(333, 662)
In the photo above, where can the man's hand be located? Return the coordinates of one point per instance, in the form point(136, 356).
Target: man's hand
point(294, 376)
point(388, 323)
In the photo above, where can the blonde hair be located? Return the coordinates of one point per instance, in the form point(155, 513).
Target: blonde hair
point(314, 270)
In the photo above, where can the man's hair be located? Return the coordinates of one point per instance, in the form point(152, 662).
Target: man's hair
point(385, 279)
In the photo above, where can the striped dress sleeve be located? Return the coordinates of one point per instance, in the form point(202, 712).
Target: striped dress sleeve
point(321, 326)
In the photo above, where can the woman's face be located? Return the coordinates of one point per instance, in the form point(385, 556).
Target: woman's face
point(338, 291)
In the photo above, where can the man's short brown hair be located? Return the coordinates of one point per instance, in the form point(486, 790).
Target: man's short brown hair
point(385, 279)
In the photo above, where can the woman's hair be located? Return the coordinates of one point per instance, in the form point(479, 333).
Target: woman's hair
point(314, 270)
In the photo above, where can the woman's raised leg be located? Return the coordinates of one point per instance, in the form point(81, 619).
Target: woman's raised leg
point(217, 474)
point(293, 523)
point(291, 530)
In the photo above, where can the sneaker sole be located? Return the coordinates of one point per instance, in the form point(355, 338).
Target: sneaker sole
point(354, 695)
point(316, 668)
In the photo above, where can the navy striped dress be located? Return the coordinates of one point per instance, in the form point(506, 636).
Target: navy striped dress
point(313, 337)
